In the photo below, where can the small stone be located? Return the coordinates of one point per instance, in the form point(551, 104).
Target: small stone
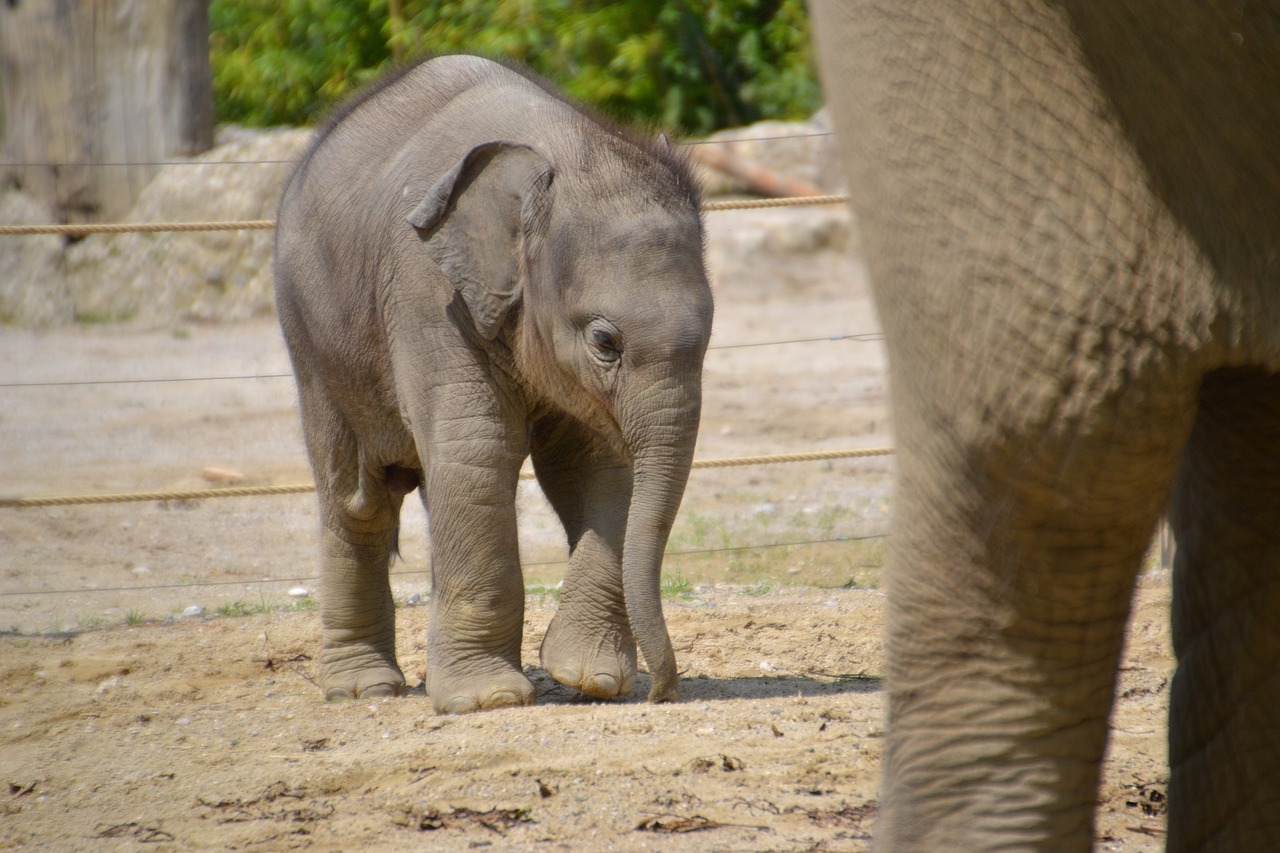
point(193, 610)
point(299, 592)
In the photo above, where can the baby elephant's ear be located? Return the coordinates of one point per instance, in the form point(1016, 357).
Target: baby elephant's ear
point(478, 219)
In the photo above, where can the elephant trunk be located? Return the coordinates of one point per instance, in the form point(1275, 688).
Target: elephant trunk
point(662, 457)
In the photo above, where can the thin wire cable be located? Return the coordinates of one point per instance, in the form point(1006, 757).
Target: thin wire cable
point(70, 383)
point(695, 552)
point(860, 337)
point(815, 135)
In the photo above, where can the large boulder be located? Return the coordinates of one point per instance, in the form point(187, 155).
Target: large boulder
point(204, 276)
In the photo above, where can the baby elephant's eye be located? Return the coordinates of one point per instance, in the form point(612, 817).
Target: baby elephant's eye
point(604, 340)
point(604, 343)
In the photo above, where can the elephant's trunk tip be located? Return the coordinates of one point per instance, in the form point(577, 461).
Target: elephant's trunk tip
point(665, 687)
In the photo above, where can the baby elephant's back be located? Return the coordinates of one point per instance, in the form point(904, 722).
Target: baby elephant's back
point(398, 137)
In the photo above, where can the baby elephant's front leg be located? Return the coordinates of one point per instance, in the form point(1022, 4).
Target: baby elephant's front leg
point(477, 600)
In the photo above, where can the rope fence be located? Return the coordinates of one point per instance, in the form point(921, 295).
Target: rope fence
point(304, 488)
point(86, 228)
point(762, 203)
point(140, 164)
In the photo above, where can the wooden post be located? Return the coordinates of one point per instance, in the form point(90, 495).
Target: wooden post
point(97, 93)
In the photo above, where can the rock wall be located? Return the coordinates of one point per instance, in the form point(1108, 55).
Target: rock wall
point(202, 276)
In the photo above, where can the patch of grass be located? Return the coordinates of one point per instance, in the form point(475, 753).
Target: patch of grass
point(695, 531)
point(761, 588)
point(677, 585)
point(744, 541)
point(751, 565)
point(134, 618)
point(543, 591)
point(826, 520)
point(90, 621)
point(232, 609)
point(240, 607)
point(94, 318)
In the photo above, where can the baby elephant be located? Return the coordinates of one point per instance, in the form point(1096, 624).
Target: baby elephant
point(470, 271)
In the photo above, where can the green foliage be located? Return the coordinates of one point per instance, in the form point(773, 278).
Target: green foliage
point(688, 65)
point(676, 585)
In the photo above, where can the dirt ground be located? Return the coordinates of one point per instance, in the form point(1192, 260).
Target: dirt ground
point(124, 722)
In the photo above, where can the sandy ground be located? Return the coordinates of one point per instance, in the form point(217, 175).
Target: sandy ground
point(124, 723)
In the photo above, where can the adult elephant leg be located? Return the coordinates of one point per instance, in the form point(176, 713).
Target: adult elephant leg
point(472, 464)
point(589, 645)
point(1043, 316)
point(1009, 584)
point(358, 527)
point(1224, 750)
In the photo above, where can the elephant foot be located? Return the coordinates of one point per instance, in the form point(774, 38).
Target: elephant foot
point(599, 662)
point(368, 683)
point(469, 689)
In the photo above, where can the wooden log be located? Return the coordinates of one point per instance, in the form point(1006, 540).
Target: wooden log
point(758, 179)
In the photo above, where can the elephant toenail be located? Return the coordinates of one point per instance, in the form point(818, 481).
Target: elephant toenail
point(378, 691)
point(602, 684)
point(505, 699)
point(460, 705)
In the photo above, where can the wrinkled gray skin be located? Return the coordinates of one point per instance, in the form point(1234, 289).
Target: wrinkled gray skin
point(1071, 213)
point(468, 272)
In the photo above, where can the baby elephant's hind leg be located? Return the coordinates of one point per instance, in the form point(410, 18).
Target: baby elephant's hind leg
point(359, 515)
